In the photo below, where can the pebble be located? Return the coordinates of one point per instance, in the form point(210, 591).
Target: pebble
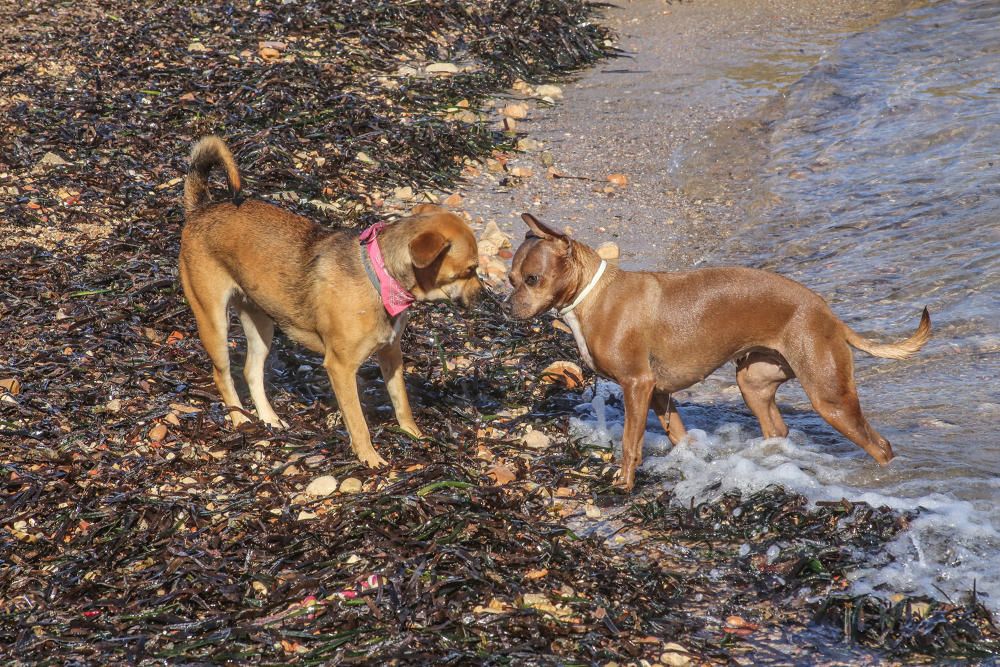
point(535, 440)
point(592, 511)
point(442, 68)
point(675, 655)
point(172, 419)
point(516, 111)
point(322, 486)
point(306, 515)
point(620, 180)
point(548, 90)
point(527, 145)
point(158, 432)
point(453, 200)
point(609, 250)
point(350, 485)
point(404, 193)
point(197, 47)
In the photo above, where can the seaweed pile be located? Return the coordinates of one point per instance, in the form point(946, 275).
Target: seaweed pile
point(135, 526)
point(333, 97)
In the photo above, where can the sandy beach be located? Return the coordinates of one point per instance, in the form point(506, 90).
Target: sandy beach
point(682, 114)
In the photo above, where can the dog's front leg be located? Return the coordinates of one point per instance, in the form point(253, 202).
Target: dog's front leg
point(638, 393)
point(344, 378)
point(390, 360)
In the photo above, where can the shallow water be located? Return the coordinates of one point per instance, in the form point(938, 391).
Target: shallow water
point(878, 185)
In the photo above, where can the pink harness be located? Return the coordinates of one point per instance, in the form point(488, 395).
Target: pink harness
point(395, 297)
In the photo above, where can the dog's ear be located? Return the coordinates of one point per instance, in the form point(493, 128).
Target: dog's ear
point(426, 247)
point(539, 229)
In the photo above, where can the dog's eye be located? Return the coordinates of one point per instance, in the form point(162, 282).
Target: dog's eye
point(531, 280)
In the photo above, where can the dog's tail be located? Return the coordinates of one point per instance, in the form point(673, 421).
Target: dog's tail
point(207, 153)
point(901, 350)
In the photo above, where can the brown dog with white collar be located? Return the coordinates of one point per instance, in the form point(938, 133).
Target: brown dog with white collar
point(657, 333)
point(337, 296)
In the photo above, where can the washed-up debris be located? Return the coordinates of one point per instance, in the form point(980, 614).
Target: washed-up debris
point(207, 545)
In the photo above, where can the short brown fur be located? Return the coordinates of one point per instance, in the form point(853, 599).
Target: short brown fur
point(658, 333)
point(276, 267)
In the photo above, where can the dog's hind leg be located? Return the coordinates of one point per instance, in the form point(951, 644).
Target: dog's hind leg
point(828, 381)
point(670, 419)
point(209, 297)
point(259, 330)
point(759, 377)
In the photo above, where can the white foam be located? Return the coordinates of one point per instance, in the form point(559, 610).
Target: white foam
point(952, 545)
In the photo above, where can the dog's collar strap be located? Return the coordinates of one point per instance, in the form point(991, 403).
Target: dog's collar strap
point(395, 297)
point(586, 290)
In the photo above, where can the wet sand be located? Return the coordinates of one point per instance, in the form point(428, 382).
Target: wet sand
point(683, 114)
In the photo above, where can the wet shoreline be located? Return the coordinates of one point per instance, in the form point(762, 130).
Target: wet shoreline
point(695, 83)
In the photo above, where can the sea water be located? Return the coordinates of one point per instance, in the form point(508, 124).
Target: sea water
point(881, 191)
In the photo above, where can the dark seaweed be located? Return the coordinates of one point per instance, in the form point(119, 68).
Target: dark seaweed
point(201, 547)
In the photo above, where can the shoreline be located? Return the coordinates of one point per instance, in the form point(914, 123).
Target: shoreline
point(697, 82)
point(143, 527)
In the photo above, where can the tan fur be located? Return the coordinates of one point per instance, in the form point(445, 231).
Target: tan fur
point(275, 267)
point(658, 333)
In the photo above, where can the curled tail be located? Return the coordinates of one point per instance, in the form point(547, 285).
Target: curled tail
point(901, 350)
point(208, 152)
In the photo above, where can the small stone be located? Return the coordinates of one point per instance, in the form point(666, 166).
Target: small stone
point(277, 46)
point(350, 485)
point(521, 172)
point(527, 145)
point(172, 419)
point(364, 157)
point(501, 474)
point(404, 193)
point(516, 111)
point(675, 655)
point(406, 70)
point(158, 432)
point(267, 53)
point(609, 250)
point(453, 200)
point(462, 104)
point(493, 233)
point(467, 117)
point(592, 511)
point(548, 90)
point(114, 405)
point(291, 471)
point(197, 47)
point(306, 515)
point(189, 481)
point(442, 68)
point(322, 486)
point(51, 159)
point(547, 159)
point(621, 180)
point(535, 440)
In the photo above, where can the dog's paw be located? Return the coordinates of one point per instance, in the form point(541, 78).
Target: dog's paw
point(372, 459)
point(277, 423)
point(623, 482)
point(237, 418)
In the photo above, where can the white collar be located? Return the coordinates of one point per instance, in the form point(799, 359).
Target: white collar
point(586, 290)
